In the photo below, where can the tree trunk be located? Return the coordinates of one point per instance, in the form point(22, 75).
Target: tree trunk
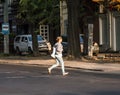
point(73, 29)
point(34, 41)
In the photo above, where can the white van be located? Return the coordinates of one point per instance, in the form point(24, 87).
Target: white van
point(23, 43)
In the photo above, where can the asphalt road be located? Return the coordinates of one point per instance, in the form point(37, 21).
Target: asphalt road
point(34, 80)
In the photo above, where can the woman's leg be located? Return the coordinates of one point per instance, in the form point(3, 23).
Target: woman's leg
point(54, 66)
point(60, 59)
point(62, 66)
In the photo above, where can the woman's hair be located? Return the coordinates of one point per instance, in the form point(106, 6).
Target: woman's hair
point(58, 38)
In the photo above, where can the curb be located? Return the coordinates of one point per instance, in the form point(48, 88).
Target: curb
point(85, 66)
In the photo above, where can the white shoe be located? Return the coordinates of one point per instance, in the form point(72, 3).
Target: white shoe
point(66, 73)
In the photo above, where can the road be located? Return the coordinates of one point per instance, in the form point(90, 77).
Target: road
point(34, 80)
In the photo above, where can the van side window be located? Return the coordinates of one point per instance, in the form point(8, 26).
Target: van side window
point(17, 39)
point(22, 39)
point(25, 39)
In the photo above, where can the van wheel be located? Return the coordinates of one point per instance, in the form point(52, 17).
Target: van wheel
point(18, 51)
point(30, 50)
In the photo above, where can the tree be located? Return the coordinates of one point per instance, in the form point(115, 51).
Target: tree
point(78, 10)
point(28, 12)
point(73, 28)
point(36, 12)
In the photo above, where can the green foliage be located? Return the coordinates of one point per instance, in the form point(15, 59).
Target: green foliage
point(39, 11)
point(2, 1)
point(87, 8)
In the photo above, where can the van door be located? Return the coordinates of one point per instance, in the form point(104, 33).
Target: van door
point(24, 44)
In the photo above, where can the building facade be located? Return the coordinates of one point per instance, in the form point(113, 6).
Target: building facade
point(109, 31)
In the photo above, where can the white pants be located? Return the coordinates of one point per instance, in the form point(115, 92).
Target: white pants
point(59, 61)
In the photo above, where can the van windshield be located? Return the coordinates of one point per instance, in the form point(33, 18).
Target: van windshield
point(38, 37)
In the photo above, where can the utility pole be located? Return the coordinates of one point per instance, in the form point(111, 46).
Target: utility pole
point(90, 40)
point(6, 36)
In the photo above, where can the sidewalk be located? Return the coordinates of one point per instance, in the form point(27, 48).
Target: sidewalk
point(113, 68)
